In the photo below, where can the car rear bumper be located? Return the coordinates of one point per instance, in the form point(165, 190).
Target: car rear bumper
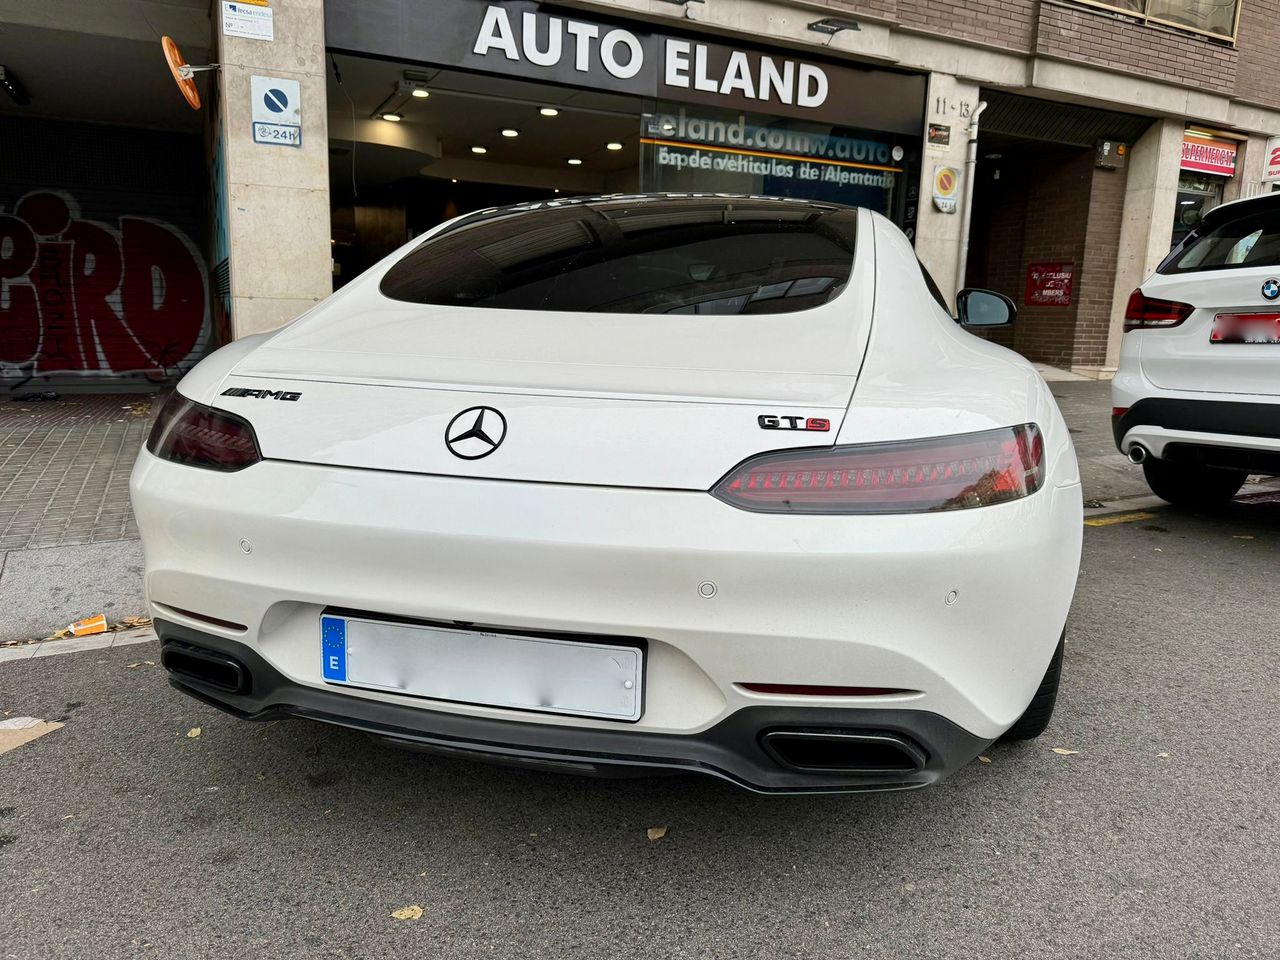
point(1234, 434)
point(744, 748)
point(962, 609)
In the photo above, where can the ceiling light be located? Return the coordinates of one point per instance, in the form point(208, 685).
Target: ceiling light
point(574, 162)
point(557, 189)
point(510, 132)
point(421, 92)
point(479, 149)
point(454, 180)
point(11, 85)
point(393, 117)
point(549, 111)
point(613, 145)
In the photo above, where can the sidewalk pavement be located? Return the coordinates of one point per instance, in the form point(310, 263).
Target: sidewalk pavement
point(68, 546)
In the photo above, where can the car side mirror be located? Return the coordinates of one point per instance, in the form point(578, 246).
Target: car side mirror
point(984, 308)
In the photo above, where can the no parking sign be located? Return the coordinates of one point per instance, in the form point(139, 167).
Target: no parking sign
point(277, 111)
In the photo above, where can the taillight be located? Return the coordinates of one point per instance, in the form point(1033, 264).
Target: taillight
point(199, 436)
point(909, 476)
point(1143, 312)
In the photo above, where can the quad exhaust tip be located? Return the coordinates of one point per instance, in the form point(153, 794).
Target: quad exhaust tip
point(1137, 453)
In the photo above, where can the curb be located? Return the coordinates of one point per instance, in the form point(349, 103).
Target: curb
point(101, 641)
point(1150, 502)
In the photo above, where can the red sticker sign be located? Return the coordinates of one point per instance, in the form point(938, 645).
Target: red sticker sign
point(1049, 284)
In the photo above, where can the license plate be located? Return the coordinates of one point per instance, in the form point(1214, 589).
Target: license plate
point(545, 674)
point(1245, 328)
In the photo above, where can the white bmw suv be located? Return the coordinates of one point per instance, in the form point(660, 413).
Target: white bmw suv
point(1196, 399)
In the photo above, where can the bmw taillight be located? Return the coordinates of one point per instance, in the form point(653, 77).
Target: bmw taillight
point(909, 476)
point(200, 436)
point(1143, 312)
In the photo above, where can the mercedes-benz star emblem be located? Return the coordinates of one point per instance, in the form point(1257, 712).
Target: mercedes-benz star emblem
point(476, 432)
point(1271, 288)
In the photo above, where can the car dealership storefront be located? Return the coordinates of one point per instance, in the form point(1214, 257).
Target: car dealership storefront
point(437, 109)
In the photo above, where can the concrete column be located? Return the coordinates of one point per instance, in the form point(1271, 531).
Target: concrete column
point(950, 102)
point(1150, 201)
point(1250, 165)
point(276, 197)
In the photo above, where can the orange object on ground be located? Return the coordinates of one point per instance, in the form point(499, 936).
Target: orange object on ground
point(82, 628)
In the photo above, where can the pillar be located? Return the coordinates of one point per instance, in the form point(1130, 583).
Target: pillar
point(273, 200)
point(950, 102)
point(1150, 201)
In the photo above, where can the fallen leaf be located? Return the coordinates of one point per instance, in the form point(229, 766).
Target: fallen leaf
point(1241, 536)
point(193, 733)
point(130, 666)
point(1163, 756)
point(1065, 753)
point(656, 833)
point(149, 663)
point(984, 759)
point(411, 912)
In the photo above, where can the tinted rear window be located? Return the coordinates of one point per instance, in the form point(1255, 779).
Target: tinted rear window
point(647, 255)
point(1251, 241)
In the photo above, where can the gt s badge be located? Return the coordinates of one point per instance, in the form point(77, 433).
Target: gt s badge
point(820, 424)
point(261, 394)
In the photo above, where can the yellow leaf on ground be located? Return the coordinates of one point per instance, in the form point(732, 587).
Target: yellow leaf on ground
point(984, 759)
point(193, 733)
point(656, 833)
point(411, 912)
point(1163, 756)
point(1065, 753)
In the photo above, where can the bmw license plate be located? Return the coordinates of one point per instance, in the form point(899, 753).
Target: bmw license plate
point(546, 674)
point(1245, 328)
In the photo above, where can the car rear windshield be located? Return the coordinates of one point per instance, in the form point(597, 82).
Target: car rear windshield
point(637, 255)
point(1249, 241)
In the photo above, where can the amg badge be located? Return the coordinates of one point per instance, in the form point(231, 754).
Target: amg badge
point(261, 394)
point(820, 424)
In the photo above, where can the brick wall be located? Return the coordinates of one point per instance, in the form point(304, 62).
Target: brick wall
point(1000, 23)
point(1050, 204)
point(1106, 40)
point(1257, 79)
point(1097, 277)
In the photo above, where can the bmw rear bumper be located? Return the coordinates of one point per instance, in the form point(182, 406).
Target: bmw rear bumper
point(1229, 434)
point(742, 748)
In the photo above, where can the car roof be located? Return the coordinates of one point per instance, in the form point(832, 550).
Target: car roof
point(1235, 209)
point(626, 199)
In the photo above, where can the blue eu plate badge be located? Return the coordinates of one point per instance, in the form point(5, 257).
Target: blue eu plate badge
point(333, 648)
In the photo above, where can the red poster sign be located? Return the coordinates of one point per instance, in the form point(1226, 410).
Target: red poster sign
point(1049, 284)
point(1209, 155)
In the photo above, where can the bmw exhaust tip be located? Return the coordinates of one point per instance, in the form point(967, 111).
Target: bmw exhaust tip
point(1137, 453)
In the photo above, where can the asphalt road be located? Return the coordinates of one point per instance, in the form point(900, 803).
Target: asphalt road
point(121, 836)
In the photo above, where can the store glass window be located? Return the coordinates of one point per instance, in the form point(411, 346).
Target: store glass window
point(686, 148)
point(1198, 193)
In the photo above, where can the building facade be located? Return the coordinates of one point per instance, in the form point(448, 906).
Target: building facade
point(1049, 149)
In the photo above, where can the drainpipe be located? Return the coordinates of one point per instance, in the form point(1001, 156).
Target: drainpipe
point(966, 216)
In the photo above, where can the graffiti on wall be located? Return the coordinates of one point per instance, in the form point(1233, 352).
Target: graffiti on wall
point(81, 297)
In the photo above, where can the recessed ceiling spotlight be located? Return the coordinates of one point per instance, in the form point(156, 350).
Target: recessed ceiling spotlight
point(453, 180)
point(479, 149)
point(557, 189)
point(549, 111)
point(613, 145)
point(421, 93)
point(393, 117)
point(510, 132)
point(574, 162)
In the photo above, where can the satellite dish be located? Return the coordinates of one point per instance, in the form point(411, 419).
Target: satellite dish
point(183, 72)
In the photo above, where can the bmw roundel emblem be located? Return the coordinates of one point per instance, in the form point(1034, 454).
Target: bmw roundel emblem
point(1271, 288)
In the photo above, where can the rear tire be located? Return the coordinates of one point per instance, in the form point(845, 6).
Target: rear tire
point(1035, 719)
point(1190, 484)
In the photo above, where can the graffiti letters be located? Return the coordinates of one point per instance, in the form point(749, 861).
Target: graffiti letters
point(77, 296)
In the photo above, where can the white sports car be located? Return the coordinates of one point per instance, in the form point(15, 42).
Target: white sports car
point(702, 483)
